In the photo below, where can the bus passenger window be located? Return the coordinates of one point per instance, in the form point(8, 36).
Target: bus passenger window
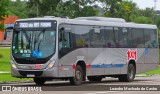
point(66, 41)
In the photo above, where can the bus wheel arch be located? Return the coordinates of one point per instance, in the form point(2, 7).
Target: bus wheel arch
point(131, 71)
point(83, 66)
point(80, 73)
point(132, 62)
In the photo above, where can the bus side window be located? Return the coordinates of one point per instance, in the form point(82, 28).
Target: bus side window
point(64, 42)
point(67, 40)
point(64, 39)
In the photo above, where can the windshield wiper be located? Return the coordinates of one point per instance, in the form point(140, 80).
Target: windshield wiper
point(28, 38)
point(39, 38)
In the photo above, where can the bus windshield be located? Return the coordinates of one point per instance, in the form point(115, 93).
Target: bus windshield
point(33, 44)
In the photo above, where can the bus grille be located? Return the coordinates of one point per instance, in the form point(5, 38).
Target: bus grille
point(29, 61)
point(36, 73)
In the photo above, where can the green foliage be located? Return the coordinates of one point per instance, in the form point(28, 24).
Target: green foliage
point(143, 20)
point(128, 10)
point(158, 21)
point(3, 11)
point(111, 7)
point(148, 12)
point(42, 7)
point(70, 8)
point(76, 8)
point(18, 8)
point(1, 26)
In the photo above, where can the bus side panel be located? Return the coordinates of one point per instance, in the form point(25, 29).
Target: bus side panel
point(151, 60)
point(139, 58)
point(96, 58)
point(67, 61)
point(119, 60)
point(111, 61)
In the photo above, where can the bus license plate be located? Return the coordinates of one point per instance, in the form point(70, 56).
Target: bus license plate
point(30, 75)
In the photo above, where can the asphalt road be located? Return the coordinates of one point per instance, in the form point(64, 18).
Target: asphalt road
point(141, 85)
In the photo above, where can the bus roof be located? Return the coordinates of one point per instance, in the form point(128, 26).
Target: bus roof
point(118, 23)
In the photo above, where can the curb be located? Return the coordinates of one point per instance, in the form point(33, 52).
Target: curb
point(15, 82)
point(146, 75)
point(4, 72)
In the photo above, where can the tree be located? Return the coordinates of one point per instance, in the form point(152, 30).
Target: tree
point(3, 11)
point(158, 21)
point(143, 20)
point(127, 10)
point(111, 7)
point(149, 13)
point(120, 9)
point(18, 8)
point(76, 8)
point(42, 7)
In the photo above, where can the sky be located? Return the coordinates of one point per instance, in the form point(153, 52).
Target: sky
point(147, 3)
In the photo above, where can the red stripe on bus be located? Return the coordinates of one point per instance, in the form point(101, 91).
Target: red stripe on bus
point(88, 66)
point(73, 66)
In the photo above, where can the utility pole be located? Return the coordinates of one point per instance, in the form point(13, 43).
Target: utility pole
point(155, 5)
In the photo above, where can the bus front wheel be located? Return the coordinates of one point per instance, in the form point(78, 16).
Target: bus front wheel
point(129, 77)
point(39, 81)
point(77, 79)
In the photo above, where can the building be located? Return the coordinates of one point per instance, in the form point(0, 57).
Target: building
point(9, 21)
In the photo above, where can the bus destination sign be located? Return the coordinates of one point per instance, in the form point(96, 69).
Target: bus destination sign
point(34, 24)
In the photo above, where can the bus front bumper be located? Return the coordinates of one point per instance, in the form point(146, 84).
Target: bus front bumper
point(21, 73)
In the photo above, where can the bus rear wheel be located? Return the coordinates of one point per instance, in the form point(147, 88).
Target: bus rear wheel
point(129, 77)
point(95, 78)
point(77, 79)
point(39, 81)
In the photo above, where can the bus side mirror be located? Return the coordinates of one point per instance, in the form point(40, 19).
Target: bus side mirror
point(7, 30)
point(5, 35)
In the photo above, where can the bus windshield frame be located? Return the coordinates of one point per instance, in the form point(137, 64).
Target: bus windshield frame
point(30, 44)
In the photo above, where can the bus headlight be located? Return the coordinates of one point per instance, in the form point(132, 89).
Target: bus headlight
point(13, 64)
point(51, 65)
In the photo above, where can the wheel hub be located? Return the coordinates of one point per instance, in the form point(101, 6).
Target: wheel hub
point(78, 75)
point(130, 72)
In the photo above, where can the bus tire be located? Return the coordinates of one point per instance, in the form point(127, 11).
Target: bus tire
point(95, 78)
point(77, 79)
point(39, 81)
point(129, 77)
